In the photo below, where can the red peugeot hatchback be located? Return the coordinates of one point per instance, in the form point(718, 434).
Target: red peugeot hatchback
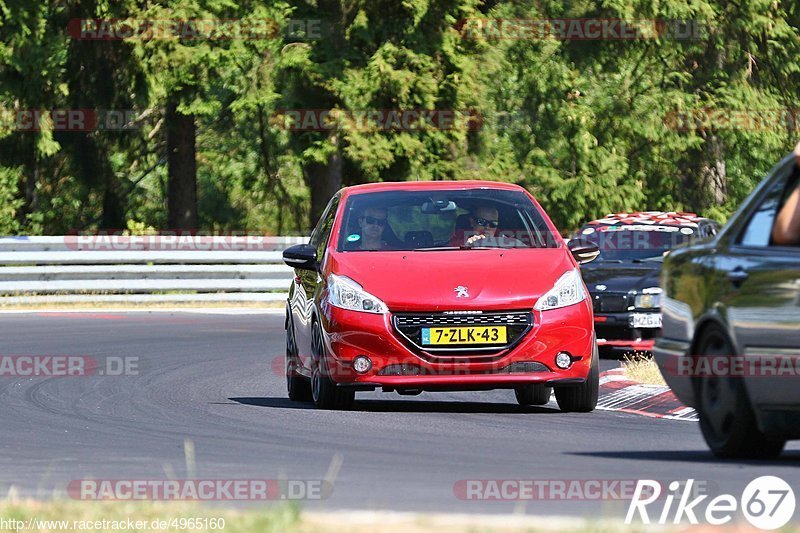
point(429, 286)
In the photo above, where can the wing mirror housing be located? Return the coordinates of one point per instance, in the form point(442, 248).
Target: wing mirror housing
point(302, 256)
point(583, 251)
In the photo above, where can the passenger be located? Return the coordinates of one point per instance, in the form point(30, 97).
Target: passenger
point(786, 231)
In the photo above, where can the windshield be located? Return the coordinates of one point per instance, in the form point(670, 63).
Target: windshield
point(635, 242)
point(443, 220)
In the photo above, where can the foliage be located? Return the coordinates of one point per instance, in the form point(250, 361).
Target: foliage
point(588, 126)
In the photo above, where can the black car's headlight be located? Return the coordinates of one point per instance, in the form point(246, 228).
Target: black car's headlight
point(649, 299)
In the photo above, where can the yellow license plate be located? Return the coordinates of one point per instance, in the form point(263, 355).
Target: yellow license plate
point(464, 335)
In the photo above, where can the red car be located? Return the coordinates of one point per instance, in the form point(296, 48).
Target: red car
point(430, 286)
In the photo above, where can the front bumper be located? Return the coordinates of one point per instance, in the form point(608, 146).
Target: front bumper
point(615, 331)
point(349, 334)
point(667, 354)
point(775, 400)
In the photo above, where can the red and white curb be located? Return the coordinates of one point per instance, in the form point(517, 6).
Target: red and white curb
point(618, 393)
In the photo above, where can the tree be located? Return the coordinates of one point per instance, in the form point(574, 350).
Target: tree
point(588, 126)
point(181, 160)
point(379, 55)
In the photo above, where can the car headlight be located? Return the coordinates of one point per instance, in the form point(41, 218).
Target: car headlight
point(568, 290)
point(347, 294)
point(651, 299)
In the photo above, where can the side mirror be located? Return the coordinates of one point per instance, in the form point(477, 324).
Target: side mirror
point(583, 251)
point(303, 256)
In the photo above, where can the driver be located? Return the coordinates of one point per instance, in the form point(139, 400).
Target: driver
point(484, 222)
point(786, 231)
point(372, 224)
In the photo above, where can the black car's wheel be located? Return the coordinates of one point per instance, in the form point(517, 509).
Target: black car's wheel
point(298, 387)
point(324, 392)
point(533, 394)
point(583, 398)
point(726, 417)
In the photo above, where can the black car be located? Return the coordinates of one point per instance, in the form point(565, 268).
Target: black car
point(624, 280)
point(730, 345)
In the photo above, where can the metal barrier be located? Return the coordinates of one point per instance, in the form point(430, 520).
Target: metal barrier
point(150, 268)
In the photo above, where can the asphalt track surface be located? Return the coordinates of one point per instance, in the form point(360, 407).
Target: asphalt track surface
point(209, 378)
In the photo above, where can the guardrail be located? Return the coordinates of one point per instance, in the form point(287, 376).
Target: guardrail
point(151, 268)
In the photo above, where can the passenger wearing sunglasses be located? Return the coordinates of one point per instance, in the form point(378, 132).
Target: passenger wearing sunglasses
point(372, 223)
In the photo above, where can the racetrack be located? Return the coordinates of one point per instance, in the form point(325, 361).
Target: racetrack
point(209, 378)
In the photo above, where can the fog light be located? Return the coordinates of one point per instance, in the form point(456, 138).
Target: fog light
point(563, 360)
point(362, 364)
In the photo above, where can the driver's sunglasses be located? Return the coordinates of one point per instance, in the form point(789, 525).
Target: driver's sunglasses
point(487, 223)
point(375, 221)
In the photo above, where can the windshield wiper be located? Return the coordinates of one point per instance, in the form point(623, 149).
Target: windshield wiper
point(446, 248)
point(437, 248)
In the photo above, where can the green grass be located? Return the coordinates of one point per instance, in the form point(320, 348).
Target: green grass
point(279, 518)
point(642, 368)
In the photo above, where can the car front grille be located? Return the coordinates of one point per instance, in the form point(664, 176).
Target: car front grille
point(409, 326)
point(610, 302)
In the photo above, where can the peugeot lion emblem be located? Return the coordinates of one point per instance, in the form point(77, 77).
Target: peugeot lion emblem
point(461, 292)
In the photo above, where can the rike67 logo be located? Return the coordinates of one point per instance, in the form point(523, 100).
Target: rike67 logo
point(767, 502)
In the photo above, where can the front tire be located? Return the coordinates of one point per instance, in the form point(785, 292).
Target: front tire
point(324, 392)
point(533, 394)
point(583, 398)
point(727, 420)
point(297, 386)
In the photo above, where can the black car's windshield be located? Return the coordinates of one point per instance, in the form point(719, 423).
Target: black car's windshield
point(442, 220)
point(631, 242)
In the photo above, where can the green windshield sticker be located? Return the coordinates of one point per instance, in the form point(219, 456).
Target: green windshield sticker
point(353, 238)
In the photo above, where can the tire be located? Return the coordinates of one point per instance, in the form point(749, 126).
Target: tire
point(727, 420)
point(297, 386)
point(583, 398)
point(324, 392)
point(533, 394)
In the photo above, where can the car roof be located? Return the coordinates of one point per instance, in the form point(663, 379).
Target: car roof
point(428, 186)
point(665, 218)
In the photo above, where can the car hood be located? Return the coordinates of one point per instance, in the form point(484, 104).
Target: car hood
point(622, 277)
point(428, 281)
